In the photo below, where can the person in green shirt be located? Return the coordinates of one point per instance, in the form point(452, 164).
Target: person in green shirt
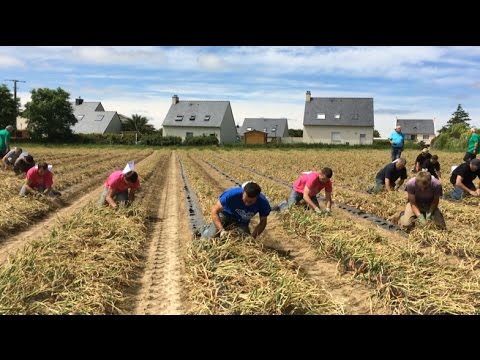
point(472, 146)
point(5, 140)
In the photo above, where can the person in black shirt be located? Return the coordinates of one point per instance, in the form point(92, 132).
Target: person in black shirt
point(462, 179)
point(387, 177)
point(432, 166)
point(424, 155)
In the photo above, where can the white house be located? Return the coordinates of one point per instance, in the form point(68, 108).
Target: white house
point(196, 118)
point(93, 119)
point(418, 129)
point(338, 120)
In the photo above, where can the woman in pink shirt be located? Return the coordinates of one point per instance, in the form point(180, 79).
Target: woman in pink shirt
point(117, 188)
point(308, 185)
point(39, 180)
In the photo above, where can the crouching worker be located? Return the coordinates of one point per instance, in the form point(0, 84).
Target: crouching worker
point(120, 186)
point(308, 185)
point(23, 164)
point(235, 208)
point(39, 180)
point(424, 192)
point(10, 158)
point(387, 177)
point(462, 180)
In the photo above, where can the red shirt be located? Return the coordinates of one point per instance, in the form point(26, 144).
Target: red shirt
point(116, 182)
point(311, 180)
point(36, 179)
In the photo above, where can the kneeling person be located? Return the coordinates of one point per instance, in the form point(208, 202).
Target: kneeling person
point(424, 192)
point(39, 180)
point(236, 207)
point(117, 188)
point(387, 177)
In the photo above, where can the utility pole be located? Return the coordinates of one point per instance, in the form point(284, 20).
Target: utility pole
point(15, 100)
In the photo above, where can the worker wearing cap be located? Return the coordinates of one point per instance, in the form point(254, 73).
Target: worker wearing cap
point(462, 179)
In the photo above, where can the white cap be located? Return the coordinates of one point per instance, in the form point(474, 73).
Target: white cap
point(50, 167)
point(129, 167)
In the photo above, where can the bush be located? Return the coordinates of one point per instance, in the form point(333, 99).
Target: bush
point(201, 140)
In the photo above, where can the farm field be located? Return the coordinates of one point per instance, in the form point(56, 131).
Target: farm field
point(67, 256)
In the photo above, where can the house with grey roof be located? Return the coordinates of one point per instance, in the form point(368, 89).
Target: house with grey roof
point(418, 129)
point(275, 128)
point(93, 119)
point(188, 118)
point(338, 120)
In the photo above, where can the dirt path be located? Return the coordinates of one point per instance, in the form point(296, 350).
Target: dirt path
point(349, 293)
point(161, 289)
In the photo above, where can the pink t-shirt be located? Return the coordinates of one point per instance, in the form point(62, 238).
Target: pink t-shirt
point(36, 179)
point(311, 180)
point(116, 182)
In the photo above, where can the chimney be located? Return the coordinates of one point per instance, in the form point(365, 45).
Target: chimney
point(174, 99)
point(308, 96)
point(78, 101)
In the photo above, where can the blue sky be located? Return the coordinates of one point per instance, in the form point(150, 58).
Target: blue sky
point(405, 82)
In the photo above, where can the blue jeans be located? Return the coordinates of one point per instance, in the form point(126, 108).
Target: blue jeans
point(457, 192)
point(209, 231)
point(295, 197)
point(396, 153)
point(121, 197)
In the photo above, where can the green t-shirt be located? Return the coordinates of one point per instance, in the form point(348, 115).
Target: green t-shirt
point(471, 142)
point(4, 137)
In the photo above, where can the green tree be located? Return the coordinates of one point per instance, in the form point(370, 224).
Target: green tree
point(295, 132)
point(376, 133)
point(138, 123)
point(460, 116)
point(8, 107)
point(50, 115)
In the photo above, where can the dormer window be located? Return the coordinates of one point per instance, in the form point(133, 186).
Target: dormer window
point(249, 129)
point(192, 117)
point(320, 116)
point(179, 118)
point(80, 117)
point(337, 116)
point(206, 118)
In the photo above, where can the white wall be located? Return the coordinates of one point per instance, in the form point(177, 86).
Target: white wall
point(323, 134)
point(197, 131)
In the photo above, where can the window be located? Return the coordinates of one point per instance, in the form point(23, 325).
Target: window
point(207, 118)
point(425, 137)
point(179, 118)
point(337, 116)
point(99, 117)
point(354, 116)
point(213, 134)
point(265, 130)
point(189, 134)
point(274, 129)
point(413, 137)
point(320, 116)
point(80, 117)
point(249, 129)
point(192, 117)
point(336, 137)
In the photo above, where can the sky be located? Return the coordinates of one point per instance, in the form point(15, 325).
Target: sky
point(419, 82)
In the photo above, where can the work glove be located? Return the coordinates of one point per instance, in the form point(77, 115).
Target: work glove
point(223, 234)
point(428, 216)
point(421, 219)
point(327, 212)
point(318, 211)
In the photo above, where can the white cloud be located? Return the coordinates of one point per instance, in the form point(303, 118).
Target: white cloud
point(7, 61)
point(211, 62)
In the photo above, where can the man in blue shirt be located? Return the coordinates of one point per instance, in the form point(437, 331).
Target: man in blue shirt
point(397, 139)
point(235, 208)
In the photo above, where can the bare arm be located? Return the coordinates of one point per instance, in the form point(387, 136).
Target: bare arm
point(260, 227)
point(109, 198)
point(308, 200)
point(463, 187)
point(131, 195)
point(413, 204)
point(328, 200)
point(387, 184)
point(28, 186)
point(434, 205)
point(215, 217)
point(4, 159)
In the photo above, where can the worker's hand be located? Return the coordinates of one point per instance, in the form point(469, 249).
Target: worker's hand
point(428, 216)
point(318, 211)
point(327, 212)
point(474, 193)
point(478, 192)
point(421, 219)
point(223, 234)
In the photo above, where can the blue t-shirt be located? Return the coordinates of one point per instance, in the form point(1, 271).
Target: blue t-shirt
point(233, 205)
point(398, 139)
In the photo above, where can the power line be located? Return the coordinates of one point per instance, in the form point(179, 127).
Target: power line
point(15, 91)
